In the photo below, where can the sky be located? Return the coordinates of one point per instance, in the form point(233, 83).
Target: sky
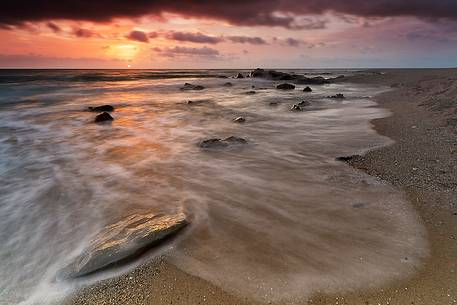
point(228, 34)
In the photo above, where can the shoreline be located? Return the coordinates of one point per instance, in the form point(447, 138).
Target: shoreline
point(422, 163)
point(421, 137)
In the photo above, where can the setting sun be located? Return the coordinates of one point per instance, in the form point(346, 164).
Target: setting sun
point(124, 52)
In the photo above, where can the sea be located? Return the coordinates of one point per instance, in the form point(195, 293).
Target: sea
point(275, 219)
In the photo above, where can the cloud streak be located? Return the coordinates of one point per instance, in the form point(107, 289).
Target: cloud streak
point(246, 39)
point(204, 52)
point(193, 37)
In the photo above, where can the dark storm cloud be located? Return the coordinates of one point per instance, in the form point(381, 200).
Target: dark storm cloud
point(238, 12)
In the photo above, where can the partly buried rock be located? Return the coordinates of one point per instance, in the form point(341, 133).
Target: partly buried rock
point(123, 240)
point(337, 96)
point(239, 119)
point(220, 143)
point(296, 108)
point(103, 108)
point(188, 86)
point(285, 86)
point(307, 89)
point(103, 117)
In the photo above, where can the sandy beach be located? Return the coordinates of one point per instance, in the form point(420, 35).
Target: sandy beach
point(421, 163)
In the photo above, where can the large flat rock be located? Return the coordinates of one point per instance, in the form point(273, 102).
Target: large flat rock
point(123, 240)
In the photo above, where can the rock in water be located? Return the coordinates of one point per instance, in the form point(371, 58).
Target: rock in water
point(104, 108)
point(318, 80)
point(239, 119)
point(221, 143)
point(285, 86)
point(296, 108)
point(233, 139)
point(103, 117)
point(123, 240)
point(239, 75)
point(228, 84)
point(337, 96)
point(307, 89)
point(213, 143)
point(188, 86)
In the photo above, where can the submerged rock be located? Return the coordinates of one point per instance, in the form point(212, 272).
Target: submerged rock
point(188, 86)
point(337, 96)
point(220, 143)
point(285, 86)
point(307, 89)
point(123, 240)
point(239, 119)
point(273, 103)
point(104, 108)
point(250, 92)
point(103, 117)
point(228, 84)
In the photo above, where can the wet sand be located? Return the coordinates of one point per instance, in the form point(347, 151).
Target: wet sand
point(422, 163)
